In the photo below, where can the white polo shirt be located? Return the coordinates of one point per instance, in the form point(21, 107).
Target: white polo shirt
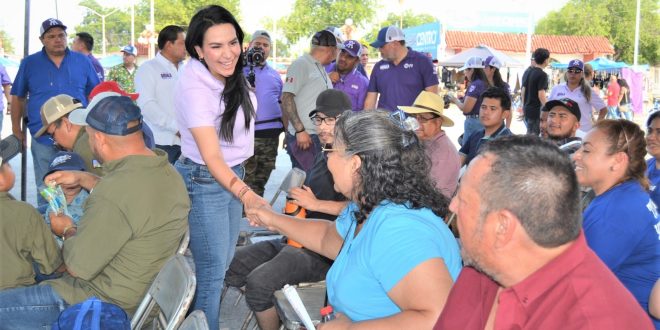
point(155, 81)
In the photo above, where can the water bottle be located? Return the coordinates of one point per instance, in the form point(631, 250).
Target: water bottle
point(327, 314)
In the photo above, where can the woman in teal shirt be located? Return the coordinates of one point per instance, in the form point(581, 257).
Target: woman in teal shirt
point(395, 259)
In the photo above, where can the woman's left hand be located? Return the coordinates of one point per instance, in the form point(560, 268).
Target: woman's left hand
point(340, 322)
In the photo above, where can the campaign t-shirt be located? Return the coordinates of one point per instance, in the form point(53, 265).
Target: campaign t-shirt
point(621, 226)
point(475, 90)
point(534, 80)
point(653, 174)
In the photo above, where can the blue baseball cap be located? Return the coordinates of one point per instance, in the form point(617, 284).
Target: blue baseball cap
point(65, 161)
point(353, 48)
point(576, 64)
point(130, 49)
point(112, 115)
point(388, 34)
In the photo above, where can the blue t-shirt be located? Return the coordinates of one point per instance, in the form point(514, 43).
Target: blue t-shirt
point(392, 242)
point(39, 78)
point(654, 176)
point(621, 226)
point(471, 145)
point(399, 85)
point(475, 90)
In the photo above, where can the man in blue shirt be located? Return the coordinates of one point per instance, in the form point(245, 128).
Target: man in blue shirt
point(52, 71)
point(346, 77)
point(268, 126)
point(494, 109)
point(401, 75)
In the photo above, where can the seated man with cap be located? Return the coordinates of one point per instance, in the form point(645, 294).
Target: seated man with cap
point(267, 266)
point(133, 222)
point(561, 123)
point(67, 132)
point(494, 109)
point(26, 239)
point(445, 163)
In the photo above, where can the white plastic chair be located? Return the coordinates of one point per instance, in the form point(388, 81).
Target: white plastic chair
point(195, 321)
point(173, 291)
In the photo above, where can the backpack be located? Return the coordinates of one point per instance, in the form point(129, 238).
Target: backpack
point(92, 314)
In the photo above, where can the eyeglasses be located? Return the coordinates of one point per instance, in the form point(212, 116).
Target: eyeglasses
point(423, 120)
point(574, 71)
point(316, 120)
point(328, 148)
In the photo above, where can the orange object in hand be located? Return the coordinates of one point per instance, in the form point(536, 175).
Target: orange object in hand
point(294, 211)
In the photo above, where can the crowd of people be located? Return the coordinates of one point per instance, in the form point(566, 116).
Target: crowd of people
point(557, 228)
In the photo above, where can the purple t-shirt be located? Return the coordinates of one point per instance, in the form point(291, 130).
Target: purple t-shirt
point(4, 80)
point(354, 84)
point(197, 104)
point(474, 90)
point(399, 85)
point(269, 90)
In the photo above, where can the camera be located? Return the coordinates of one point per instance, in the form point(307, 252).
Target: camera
point(254, 56)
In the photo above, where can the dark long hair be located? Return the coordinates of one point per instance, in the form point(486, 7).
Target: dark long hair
point(498, 81)
point(235, 93)
point(394, 164)
point(479, 74)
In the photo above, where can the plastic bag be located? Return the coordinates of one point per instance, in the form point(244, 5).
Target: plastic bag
point(54, 195)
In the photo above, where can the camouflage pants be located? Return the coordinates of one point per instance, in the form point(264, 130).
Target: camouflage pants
point(259, 166)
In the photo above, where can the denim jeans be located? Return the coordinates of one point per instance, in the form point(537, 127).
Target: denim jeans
point(31, 307)
point(628, 115)
point(41, 156)
point(214, 220)
point(267, 266)
point(470, 126)
point(173, 152)
point(612, 112)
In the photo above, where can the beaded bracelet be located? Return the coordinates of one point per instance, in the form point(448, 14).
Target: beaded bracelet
point(243, 191)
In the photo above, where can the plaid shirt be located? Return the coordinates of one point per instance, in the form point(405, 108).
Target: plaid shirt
point(124, 78)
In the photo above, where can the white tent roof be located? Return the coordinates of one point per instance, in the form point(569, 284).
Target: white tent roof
point(481, 51)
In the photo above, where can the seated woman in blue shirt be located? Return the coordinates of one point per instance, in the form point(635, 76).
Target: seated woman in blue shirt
point(395, 259)
point(653, 148)
point(621, 223)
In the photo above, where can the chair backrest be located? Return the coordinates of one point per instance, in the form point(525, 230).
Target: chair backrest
point(172, 290)
point(195, 321)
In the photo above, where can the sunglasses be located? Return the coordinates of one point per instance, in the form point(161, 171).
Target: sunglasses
point(574, 71)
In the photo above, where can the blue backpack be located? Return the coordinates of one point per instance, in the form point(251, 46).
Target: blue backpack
point(92, 314)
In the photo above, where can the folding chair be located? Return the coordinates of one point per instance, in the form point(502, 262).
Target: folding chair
point(195, 321)
point(173, 291)
point(184, 243)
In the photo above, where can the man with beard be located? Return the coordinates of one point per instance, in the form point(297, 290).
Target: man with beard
point(562, 121)
point(345, 76)
point(527, 269)
point(267, 266)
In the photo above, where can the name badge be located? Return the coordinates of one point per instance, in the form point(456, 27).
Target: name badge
point(384, 66)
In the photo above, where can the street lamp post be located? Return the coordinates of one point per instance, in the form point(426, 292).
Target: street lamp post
point(102, 23)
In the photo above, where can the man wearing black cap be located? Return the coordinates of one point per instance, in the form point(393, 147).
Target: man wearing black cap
point(267, 266)
point(52, 71)
point(134, 220)
point(563, 120)
point(305, 80)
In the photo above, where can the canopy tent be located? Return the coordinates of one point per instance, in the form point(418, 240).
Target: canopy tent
point(8, 63)
point(599, 64)
point(111, 60)
point(480, 51)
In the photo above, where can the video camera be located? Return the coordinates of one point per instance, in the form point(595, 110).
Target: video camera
point(254, 56)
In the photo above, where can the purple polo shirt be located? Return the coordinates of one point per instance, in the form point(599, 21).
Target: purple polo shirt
point(399, 85)
point(268, 90)
point(197, 103)
point(354, 84)
point(4, 80)
point(97, 66)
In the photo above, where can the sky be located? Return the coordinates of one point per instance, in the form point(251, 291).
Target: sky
point(452, 13)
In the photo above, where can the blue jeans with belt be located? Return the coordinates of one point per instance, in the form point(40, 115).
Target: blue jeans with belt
point(31, 307)
point(214, 220)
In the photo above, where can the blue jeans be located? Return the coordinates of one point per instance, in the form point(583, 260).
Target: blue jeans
point(612, 112)
point(470, 126)
point(628, 115)
point(41, 156)
point(31, 307)
point(214, 220)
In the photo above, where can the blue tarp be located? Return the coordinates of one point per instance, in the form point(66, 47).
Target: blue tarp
point(8, 63)
point(599, 64)
point(111, 60)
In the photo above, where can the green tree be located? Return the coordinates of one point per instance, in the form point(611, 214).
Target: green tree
point(118, 25)
point(407, 17)
point(309, 16)
point(7, 42)
point(614, 19)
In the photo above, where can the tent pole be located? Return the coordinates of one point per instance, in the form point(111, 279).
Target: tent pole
point(26, 51)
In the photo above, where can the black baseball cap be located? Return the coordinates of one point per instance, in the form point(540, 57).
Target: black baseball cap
point(325, 38)
point(331, 102)
point(566, 103)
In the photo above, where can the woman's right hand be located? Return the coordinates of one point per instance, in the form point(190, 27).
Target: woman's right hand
point(259, 213)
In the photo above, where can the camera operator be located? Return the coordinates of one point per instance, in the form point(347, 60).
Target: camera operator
point(268, 125)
